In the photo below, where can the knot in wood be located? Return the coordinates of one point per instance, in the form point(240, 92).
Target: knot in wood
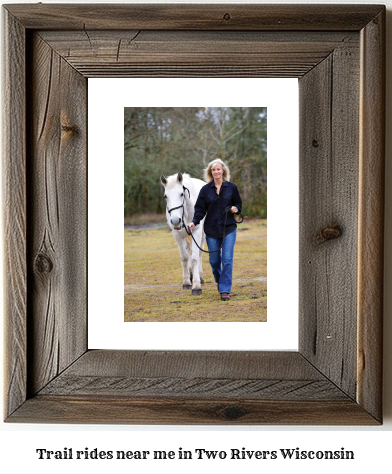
point(227, 16)
point(328, 233)
point(232, 413)
point(315, 143)
point(68, 128)
point(43, 264)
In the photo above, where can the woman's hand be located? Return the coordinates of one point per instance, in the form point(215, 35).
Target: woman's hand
point(234, 210)
point(191, 226)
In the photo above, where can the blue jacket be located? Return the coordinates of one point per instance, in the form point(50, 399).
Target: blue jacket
point(214, 205)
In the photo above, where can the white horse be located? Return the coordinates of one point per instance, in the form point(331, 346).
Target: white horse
point(181, 192)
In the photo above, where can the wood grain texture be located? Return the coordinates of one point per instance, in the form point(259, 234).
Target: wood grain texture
point(14, 212)
point(207, 364)
point(193, 53)
point(195, 17)
point(328, 216)
point(231, 375)
point(192, 387)
point(155, 411)
point(189, 387)
point(58, 215)
point(371, 216)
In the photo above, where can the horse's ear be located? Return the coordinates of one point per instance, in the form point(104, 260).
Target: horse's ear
point(163, 180)
point(179, 178)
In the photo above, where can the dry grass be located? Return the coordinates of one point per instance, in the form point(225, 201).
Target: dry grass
point(153, 279)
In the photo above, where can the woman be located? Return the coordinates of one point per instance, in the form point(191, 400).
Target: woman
point(218, 194)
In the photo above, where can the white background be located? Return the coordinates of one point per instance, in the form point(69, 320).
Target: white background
point(371, 445)
point(107, 329)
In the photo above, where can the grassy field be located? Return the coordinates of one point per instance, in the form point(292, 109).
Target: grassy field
point(153, 279)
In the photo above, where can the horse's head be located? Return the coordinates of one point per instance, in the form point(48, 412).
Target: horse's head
point(175, 199)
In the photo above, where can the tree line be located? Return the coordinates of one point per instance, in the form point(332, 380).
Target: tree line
point(168, 140)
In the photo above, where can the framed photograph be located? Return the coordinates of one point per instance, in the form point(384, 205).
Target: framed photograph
point(337, 53)
point(119, 287)
point(225, 256)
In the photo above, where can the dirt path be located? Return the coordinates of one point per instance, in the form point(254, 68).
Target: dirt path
point(129, 288)
point(153, 279)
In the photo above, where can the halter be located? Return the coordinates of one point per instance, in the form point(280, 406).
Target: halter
point(182, 205)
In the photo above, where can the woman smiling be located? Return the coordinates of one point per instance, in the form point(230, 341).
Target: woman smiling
point(219, 226)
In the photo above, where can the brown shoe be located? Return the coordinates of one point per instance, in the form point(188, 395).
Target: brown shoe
point(225, 297)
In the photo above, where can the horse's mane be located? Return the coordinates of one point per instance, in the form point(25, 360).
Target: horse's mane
point(172, 180)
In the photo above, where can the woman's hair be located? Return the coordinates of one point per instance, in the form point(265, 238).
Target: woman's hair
point(208, 173)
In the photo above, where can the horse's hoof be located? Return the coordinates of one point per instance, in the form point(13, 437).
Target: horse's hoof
point(186, 287)
point(196, 292)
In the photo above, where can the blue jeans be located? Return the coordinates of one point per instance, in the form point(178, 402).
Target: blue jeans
point(222, 262)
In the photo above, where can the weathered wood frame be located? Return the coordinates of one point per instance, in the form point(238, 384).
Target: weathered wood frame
point(337, 52)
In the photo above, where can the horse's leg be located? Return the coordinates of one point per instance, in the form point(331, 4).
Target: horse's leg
point(183, 246)
point(196, 282)
point(201, 257)
point(189, 252)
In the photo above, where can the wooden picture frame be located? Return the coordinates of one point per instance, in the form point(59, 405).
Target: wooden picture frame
point(338, 54)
